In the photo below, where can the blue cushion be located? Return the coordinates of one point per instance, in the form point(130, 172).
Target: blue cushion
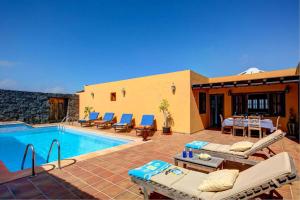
point(126, 118)
point(93, 115)
point(108, 116)
point(147, 120)
point(196, 144)
point(150, 169)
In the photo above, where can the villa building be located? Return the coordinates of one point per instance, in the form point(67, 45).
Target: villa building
point(197, 101)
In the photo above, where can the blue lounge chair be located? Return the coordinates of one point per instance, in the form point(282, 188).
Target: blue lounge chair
point(146, 125)
point(92, 117)
point(107, 120)
point(124, 123)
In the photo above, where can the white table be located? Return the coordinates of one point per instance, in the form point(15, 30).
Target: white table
point(265, 123)
point(213, 164)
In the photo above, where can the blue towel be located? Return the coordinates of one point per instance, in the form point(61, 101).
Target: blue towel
point(196, 144)
point(147, 120)
point(93, 115)
point(126, 118)
point(150, 169)
point(108, 116)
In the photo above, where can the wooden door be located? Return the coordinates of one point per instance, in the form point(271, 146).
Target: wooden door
point(58, 109)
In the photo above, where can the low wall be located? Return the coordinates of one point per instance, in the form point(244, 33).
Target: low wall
point(32, 107)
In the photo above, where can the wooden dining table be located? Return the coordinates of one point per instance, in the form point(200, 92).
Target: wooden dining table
point(265, 123)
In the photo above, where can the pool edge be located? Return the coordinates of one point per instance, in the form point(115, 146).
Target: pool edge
point(10, 176)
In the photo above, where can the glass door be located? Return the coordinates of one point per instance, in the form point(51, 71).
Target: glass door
point(216, 109)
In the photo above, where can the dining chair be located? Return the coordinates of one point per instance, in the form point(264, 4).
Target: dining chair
point(225, 129)
point(239, 124)
point(254, 123)
point(277, 123)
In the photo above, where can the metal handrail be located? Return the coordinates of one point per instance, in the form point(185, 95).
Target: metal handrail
point(32, 159)
point(64, 119)
point(61, 127)
point(58, 152)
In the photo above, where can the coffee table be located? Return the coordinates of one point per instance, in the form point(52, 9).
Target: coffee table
point(213, 164)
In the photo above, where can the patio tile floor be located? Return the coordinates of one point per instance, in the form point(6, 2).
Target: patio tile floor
point(105, 176)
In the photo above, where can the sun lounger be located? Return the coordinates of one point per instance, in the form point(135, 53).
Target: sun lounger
point(124, 123)
point(223, 151)
point(107, 120)
point(92, 117)
point(146, 125)
point(263, 178)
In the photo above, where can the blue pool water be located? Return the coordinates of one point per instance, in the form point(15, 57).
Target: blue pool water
point(13, 141)
point(13, 127)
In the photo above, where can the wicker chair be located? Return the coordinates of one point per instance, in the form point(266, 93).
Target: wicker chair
point(277, 123)
point(239, 124)
point(225, 129)
point(254, 123)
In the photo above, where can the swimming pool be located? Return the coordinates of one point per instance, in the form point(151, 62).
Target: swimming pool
point(14, 127)
point(13, 141)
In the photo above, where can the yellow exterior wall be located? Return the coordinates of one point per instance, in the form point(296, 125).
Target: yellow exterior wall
point(198, 122)
point(143, 96)
point(291, 99)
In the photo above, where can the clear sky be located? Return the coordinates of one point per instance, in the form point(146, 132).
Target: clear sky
point(61, 45)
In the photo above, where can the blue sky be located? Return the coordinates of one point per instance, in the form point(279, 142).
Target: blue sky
point(59, 46)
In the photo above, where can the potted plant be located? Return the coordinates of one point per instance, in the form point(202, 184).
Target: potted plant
point(164, 108)
point(87, 111)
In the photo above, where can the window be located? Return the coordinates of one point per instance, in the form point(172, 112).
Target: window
point(270, 104)
point(202, 102)
point(249, 103)
point(259, 103)
point(277, 104)
point(239, 104)
point(113, 96)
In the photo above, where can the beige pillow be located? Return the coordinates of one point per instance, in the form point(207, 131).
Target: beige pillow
point(241, 146)
point(219, 180)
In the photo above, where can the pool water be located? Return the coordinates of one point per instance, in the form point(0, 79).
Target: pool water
point(14, 127)
point(73, 143)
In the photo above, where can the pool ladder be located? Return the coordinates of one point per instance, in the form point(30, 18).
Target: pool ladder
point(58, 152)
point(61, 128)
point(33, 156)
point(32, 159)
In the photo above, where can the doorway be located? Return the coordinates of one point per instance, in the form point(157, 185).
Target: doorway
point(58, 109)
point(216, 109)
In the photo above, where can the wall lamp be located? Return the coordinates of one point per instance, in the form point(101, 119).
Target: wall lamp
point(287, 89)
point(173, 88)
point(123, 91)
point(229, 93)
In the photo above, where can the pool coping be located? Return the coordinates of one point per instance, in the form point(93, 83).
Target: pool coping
point(6, 176)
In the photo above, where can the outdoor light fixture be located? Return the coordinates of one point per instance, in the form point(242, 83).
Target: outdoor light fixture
point(229, 92)
point(287, 89)
point(92, 94)
point(173, 88)
point(123, 92)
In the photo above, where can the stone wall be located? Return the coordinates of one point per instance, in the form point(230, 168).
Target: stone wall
point(32, 107)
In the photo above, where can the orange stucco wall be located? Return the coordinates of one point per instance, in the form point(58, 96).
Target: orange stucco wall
point(143, 96)
point(291, 100)
point(198, 122)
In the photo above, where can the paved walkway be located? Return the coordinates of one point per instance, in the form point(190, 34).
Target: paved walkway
point(105, 177)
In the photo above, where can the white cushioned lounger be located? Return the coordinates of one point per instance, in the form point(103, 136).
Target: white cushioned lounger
point(223, 151)
point(250, 183)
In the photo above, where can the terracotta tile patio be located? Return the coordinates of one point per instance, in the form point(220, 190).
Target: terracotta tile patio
point(105, 176)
